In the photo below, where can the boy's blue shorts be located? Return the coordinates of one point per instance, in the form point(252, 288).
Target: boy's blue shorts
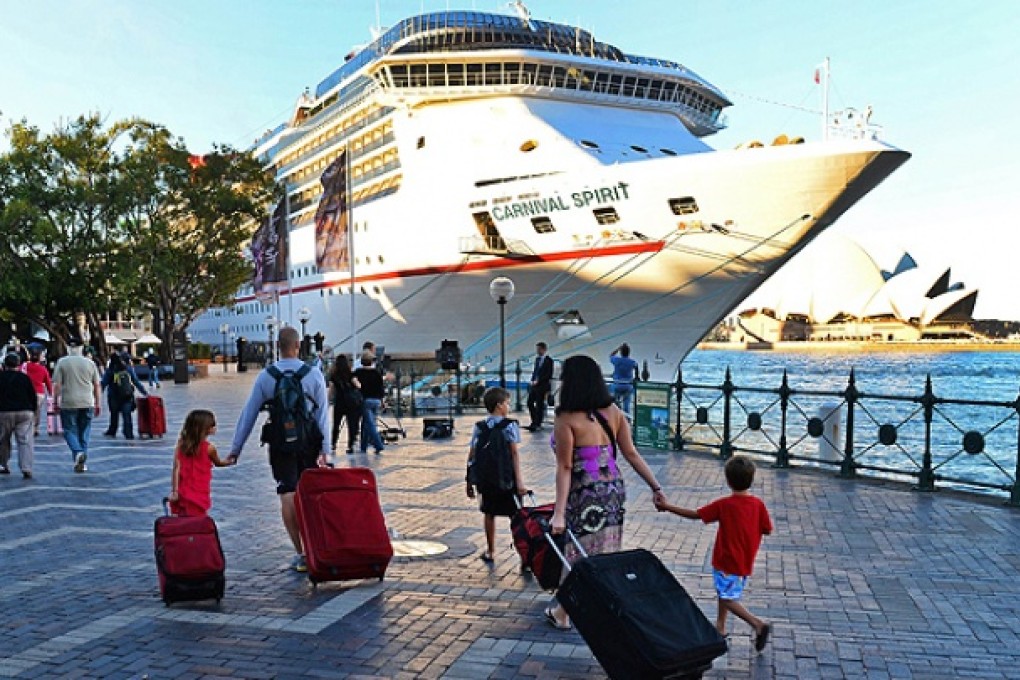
point(728, 586)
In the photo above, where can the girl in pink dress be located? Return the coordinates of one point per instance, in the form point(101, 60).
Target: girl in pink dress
point(191, 480)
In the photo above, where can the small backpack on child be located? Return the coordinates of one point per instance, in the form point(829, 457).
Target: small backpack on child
point(492, 468)
point(122, 383)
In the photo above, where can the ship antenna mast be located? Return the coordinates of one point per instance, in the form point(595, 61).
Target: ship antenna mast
point(824, 69)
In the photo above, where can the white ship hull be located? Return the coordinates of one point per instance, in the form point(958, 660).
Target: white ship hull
point(584, 220)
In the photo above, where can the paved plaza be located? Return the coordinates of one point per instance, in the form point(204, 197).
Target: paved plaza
point(860, 579)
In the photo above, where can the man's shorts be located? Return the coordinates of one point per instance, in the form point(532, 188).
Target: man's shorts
point(728, 586)
point(287, 469)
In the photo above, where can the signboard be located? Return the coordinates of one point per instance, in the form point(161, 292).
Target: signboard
point(652, 426)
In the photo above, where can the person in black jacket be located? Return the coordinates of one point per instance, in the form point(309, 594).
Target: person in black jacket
point(347, 402)
point(17, 416)
point(541, 384)
point(120, 382)
point(372, 388)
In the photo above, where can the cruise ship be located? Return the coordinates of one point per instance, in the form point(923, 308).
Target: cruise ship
point(474, 145)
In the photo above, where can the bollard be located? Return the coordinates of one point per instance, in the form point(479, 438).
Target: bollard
point(460, 406)
point(926, 478)
point(414, 406)
point(678, 442)
point(726, 447)
point(847, 469)
point(783, 454)
point(399, 407)
point(517, 386)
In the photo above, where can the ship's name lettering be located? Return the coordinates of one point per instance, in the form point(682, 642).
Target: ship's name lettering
point(578, 199)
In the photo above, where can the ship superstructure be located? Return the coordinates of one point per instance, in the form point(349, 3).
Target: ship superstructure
point(480, 145)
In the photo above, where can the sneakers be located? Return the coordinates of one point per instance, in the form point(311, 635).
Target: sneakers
point(79, 462)
point(4, 470)
point(27, 474)
point(299, 564)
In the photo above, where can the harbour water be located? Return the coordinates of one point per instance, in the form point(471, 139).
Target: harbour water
point(968, 376)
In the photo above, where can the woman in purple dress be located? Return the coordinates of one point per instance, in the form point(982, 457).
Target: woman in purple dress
point(589, 432)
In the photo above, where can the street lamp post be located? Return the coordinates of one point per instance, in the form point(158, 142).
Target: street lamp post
point(270, 327)
point(502, 290)
point(303, 315)
point(224, 329)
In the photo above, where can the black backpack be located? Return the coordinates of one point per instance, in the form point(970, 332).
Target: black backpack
point(492, 468)
point(123, 385)
point(292, 428)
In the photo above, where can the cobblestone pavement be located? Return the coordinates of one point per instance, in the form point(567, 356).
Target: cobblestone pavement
point(861, 579)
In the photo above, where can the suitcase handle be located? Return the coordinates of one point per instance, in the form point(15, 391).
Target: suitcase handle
point(520, 504)
point(166, 506)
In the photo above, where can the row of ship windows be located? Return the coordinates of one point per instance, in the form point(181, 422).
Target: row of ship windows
point(546, 75)
point(346, 127)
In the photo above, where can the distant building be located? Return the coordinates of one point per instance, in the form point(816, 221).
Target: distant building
point(839, 293)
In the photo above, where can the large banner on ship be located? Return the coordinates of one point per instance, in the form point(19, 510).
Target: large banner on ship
point(331, 218)
point(269, 251)
point(652, 427)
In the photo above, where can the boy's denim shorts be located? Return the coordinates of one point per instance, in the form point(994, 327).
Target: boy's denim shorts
point(728, 586)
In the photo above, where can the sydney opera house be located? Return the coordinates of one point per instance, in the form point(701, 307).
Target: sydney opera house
point(836, 292)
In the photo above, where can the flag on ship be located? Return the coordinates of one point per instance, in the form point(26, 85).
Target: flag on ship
point(331, 252)
point(269, 251)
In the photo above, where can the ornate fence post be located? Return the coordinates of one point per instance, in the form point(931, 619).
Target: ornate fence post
point(726, 447)
point(678, 441)
point(847, 469)
point(783, 454)
point(398, 408)
point(517, 386)
point(926, 478)
point(414, 406)
point(1014, 494)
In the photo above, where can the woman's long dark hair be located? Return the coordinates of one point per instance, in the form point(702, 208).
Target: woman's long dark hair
point(116, 363)
point(582, 387)
point(341, 371)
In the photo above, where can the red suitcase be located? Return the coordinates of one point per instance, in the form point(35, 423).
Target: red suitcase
point(151, 416)
point(342, 525)
point(189, 558)
point(529, 528)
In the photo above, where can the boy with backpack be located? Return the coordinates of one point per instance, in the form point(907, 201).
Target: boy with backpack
point(493, 466)
point(294, 393)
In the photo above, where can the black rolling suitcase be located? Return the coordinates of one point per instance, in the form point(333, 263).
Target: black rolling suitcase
point(638, 621)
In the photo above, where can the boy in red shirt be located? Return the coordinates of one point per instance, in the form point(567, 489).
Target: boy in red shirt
point(743, 520)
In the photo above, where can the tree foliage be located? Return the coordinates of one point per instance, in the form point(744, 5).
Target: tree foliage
point(96, 219)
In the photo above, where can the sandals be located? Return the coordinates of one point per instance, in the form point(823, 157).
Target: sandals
point(762, 638)
point(551, 620)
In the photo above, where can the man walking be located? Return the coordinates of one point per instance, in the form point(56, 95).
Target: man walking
point(78, 395)
point(287, 468)
point(541, 384)
point(17, 414)
point(625, 370)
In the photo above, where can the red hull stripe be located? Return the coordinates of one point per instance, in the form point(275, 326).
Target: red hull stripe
point(482, 265)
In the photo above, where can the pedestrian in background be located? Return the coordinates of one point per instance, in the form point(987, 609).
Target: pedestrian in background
point(120, 382)
point(372, 390)
point(345, 391)
point(625, 372)
point(152, 361)
point(77, 391)
point(37, 372)
point(17, 405)
point(743, 520)
point(541, 385)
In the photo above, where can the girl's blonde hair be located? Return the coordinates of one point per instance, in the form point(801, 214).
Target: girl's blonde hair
point(196, 427)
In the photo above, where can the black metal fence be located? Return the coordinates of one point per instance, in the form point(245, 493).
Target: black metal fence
point(923, 437)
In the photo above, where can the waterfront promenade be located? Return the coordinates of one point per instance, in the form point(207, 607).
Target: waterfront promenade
point(861, 579)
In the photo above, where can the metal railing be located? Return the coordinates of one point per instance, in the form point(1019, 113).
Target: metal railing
point(969, 443)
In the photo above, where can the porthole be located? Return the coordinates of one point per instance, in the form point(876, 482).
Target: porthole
point(529, 145)
point(421, 142)
point(542, 225)
point(589, 144)
point(376, 290)
point(363, 290)
point(639, 149)
point(381, 259)
point(668, 152)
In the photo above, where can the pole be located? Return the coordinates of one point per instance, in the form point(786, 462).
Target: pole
point(350, 250)
point(502, 344)
point(224, 351)
point(825, 99)
point(286, 224)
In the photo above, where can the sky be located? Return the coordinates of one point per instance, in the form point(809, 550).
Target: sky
point(940, 76)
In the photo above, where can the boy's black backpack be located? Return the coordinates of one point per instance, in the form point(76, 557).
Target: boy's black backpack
point(292, 428)
point(122, 384)
point(492, 468)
